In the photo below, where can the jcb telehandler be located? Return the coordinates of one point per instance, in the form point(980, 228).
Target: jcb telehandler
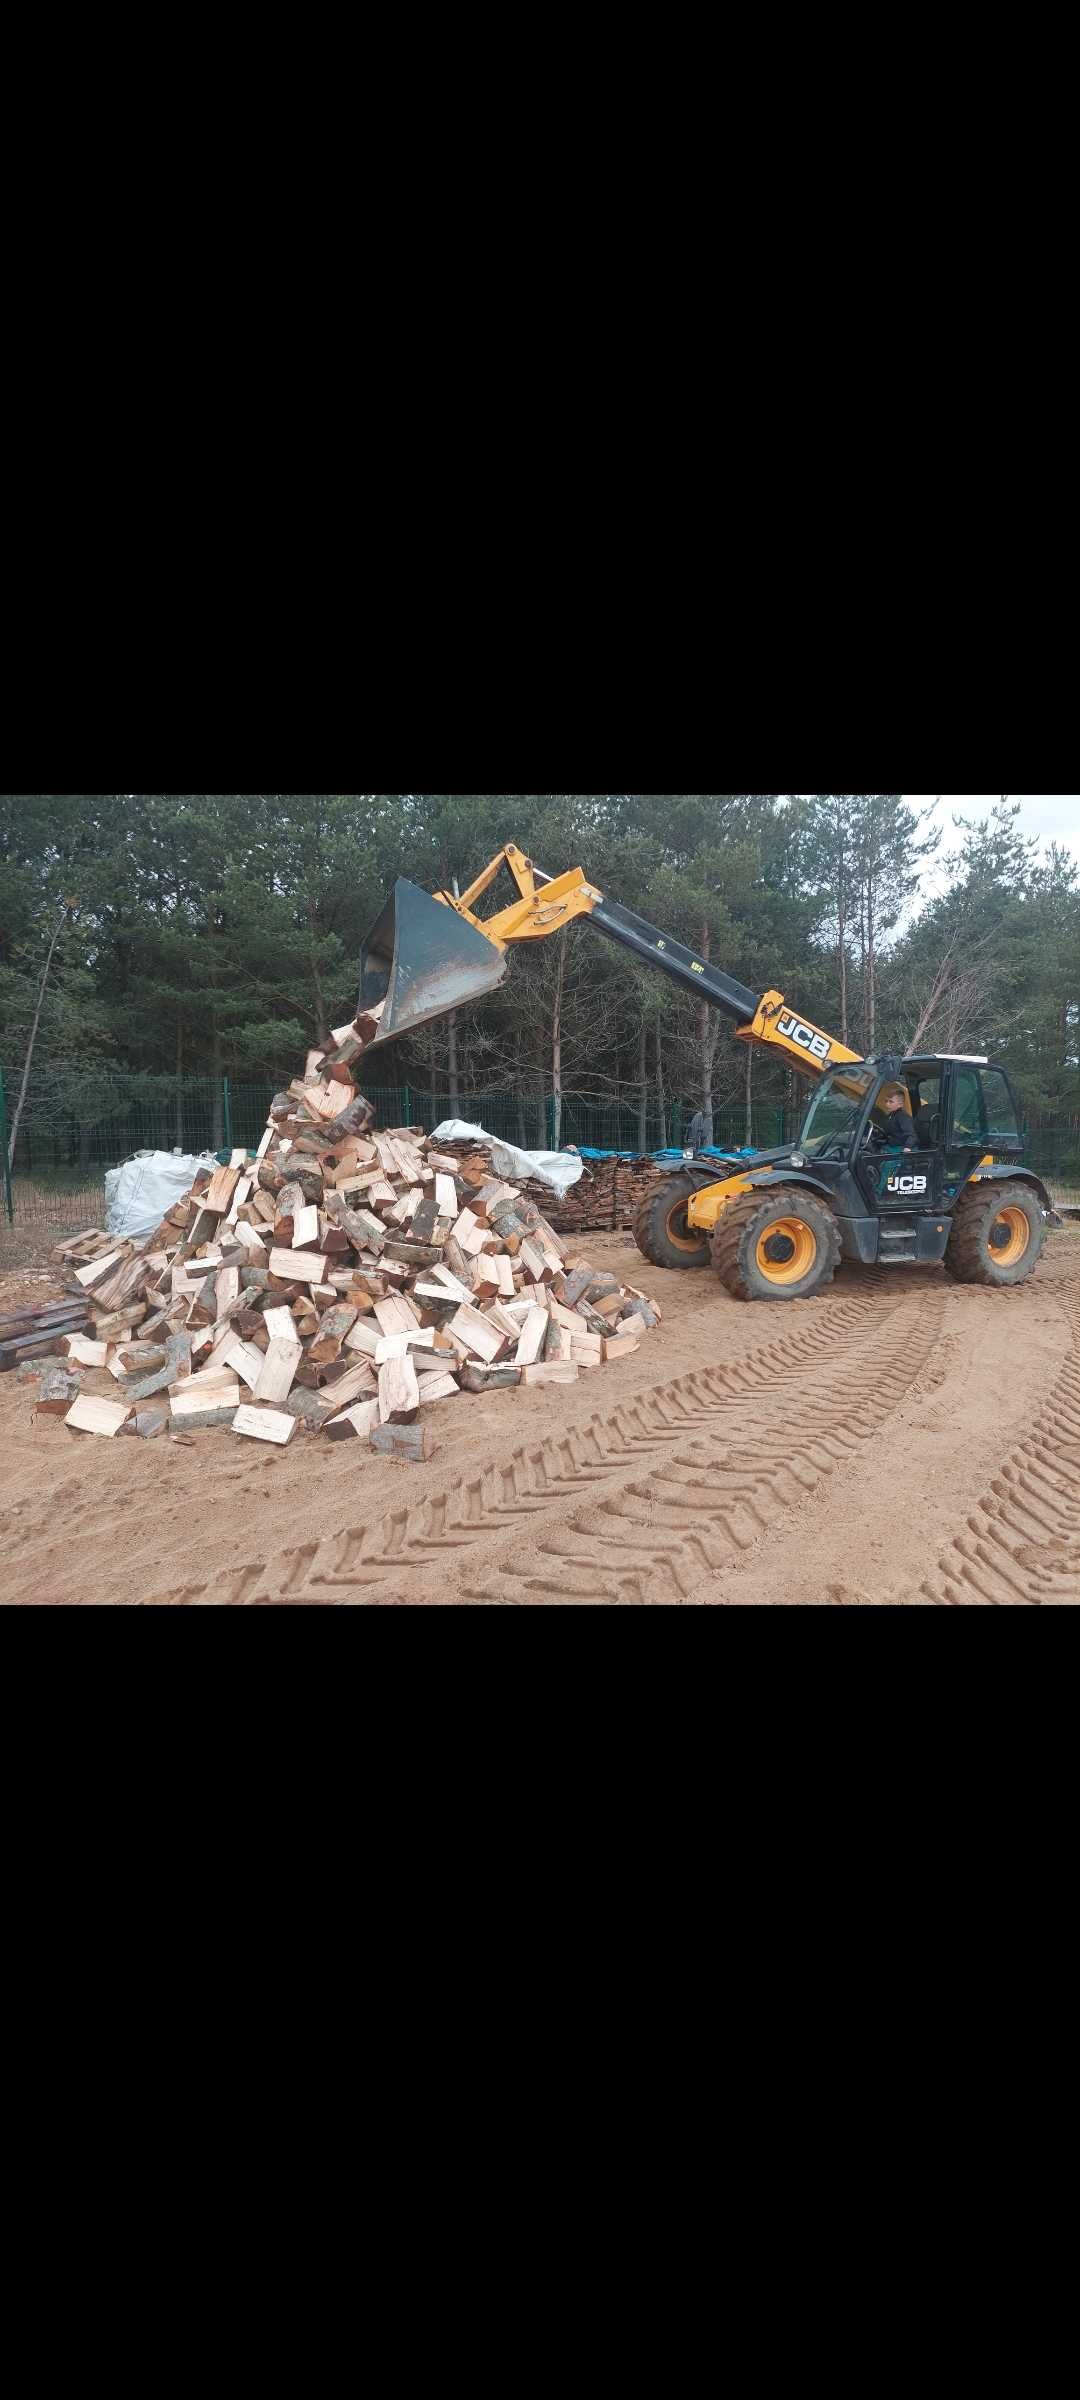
point(845, 1189)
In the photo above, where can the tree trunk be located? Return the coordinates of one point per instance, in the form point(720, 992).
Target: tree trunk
point(21, 1102)
point(434, 1083)
point(871, 968)
point(749, 1096)
point(178, 1131)
point(661, 1100)
point(863, 953)
point(452, 1064)
point(709, 1035)
point(842, 920)
point(218, 1136)
point(643, 1075)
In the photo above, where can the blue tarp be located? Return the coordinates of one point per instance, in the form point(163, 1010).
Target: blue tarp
point(664, 1157)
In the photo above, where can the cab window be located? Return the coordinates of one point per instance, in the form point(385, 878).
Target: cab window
point(967, 1116)
point(1002, 1123)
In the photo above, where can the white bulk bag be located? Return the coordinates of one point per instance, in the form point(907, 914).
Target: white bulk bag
point(138, 1194)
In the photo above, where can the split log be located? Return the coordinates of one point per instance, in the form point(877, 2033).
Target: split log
point(264, 1425)
point(475, 1378)
point(58, 1393)
point(399, 1392)
point(476, 1335)
point(364, 1338)
point(306, 1229)
point(642, 1309)
point(413, 1444)
point(532, 1338)
point(399, 1345)
point(84, 1353)
point(354, 1423)
point(277, 1372)
point(560, 1373)
point(298, 1266)
point(394, 1315)
point(34, 1368)
point(333, 1328)
point(361, 1225)
point(219, 1196)
point(245, 1360)
point(310, 1408)
point(290, 1204)
point(358, 1383)
point(193, 1398)
point(121, 1320)
point(103, 1417)
point(417, 1255)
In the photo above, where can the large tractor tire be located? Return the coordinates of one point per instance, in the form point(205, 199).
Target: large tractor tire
point(998, 1235)
point(782, 1245)
point(661, 1231)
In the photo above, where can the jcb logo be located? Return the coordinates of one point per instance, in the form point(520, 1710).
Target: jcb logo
point(907, 1183)
point(818, 1044)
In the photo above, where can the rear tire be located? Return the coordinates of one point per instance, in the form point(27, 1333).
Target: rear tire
point(661, 1230)
point(781, 1245)
point(998, 1235)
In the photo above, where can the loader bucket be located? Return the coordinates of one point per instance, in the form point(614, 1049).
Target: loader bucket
point(423, 960)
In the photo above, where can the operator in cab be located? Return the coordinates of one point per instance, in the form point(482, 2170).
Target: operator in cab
point(898, 1132)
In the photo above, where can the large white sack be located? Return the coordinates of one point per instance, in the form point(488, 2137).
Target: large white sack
point(549, 1166)
point(138, 1193)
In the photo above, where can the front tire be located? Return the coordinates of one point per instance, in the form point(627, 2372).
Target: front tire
point(998, 1235)
point(661, 1231)
point(782, 1245)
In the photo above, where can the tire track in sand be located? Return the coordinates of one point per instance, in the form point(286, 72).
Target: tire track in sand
point(661, 1538)
point(1020, 1546)
point(639, 1503)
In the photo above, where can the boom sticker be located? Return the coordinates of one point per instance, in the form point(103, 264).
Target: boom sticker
point(806, 1037)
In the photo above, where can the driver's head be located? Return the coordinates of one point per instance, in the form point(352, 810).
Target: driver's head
point(894, 1101)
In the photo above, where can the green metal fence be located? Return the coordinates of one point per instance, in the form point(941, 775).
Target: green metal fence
point(73, 1128)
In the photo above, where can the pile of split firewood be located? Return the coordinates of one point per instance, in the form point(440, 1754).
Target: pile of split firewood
point(342, 1280)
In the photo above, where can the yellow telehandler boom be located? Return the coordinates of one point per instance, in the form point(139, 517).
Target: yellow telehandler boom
point(420, 965)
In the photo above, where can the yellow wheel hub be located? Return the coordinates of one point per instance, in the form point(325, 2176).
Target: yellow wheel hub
point(1010, 1235)
point(679, 1231)
point(786, 1250)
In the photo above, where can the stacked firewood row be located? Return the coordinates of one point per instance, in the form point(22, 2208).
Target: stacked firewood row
point(342, 1280)
point(606, 1200)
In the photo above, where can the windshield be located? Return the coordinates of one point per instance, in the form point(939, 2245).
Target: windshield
point(836, 1109)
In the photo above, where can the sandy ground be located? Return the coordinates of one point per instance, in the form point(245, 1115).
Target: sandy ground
point(903, 1439)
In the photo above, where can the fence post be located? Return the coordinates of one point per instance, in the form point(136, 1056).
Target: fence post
point(226, 1111)
point(408, 1104)
point(9, 1200)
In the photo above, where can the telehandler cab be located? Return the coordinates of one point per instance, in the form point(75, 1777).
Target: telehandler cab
point(847, 1188)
